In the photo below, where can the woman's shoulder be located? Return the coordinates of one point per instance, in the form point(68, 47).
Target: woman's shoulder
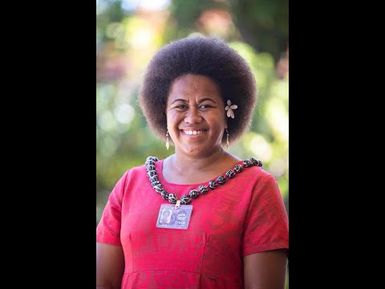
point(132, 176)
point(137, 169)
point(249, 162)
point(134, 171)
point(257, 170)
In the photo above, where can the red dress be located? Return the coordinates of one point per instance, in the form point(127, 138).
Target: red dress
point(244, 216)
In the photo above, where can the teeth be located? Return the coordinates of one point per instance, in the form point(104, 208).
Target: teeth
point(193, 132)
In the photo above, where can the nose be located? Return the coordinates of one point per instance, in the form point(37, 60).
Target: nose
point(192, 116)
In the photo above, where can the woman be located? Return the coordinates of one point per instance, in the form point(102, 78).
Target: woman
point(228, 225)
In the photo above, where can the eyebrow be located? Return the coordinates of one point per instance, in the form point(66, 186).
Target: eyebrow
point(178, 99)
point(201, 100)
point(207, 98)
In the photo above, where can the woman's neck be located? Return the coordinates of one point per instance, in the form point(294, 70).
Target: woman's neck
point(184, 162)
point(179, 168)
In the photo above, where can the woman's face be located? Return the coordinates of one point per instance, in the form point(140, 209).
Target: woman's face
point(195, 115)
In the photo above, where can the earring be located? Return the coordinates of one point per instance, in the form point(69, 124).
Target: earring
point(167, 140)
point(227, 138)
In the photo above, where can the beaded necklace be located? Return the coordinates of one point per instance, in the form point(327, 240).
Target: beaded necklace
point(178, 216)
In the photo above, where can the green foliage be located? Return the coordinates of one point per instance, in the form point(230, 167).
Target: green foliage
point(263, 24)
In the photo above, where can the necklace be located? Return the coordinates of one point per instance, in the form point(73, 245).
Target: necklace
point(178, 216)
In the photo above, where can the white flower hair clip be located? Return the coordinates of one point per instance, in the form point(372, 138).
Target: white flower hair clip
point(229, 108)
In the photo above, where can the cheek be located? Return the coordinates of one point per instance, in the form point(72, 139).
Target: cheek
point(169, 117)
point(222, 116)
point(218, 123)
point(172, 120)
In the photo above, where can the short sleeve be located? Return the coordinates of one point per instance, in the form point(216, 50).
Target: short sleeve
point(108, 229)
point(266, 225)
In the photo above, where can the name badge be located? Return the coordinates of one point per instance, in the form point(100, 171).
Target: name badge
point(172, 217)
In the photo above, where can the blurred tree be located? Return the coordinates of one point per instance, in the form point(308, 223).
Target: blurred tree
point(261, 23)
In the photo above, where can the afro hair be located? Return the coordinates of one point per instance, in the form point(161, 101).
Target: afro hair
point(210, 57)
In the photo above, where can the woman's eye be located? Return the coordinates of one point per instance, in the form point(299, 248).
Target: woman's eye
point(181, 106)
point(204, 106)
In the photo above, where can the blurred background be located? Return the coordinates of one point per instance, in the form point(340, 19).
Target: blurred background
point(130, 32)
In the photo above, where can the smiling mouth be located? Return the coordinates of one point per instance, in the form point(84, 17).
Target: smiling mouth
point(191, 132)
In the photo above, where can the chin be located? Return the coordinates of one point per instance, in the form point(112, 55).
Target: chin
point(200, 152)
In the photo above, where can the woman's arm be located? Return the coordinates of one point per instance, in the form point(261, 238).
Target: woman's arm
point(109, 266)
point(265, 270)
